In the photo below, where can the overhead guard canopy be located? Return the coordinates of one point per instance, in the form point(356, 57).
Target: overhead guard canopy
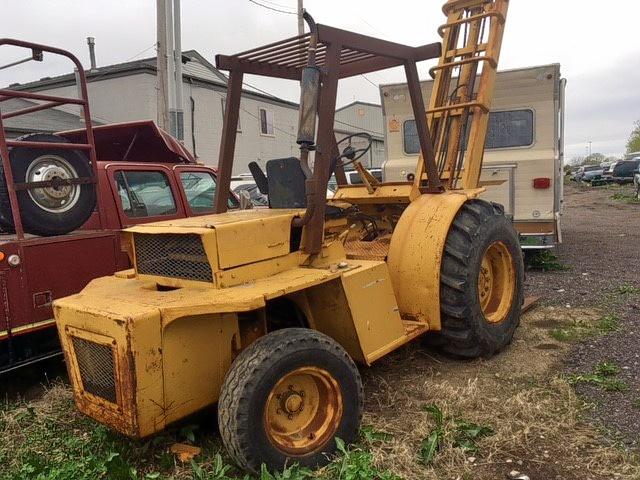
point(359, 54)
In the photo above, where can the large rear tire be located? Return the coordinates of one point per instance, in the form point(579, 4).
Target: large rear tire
point(482, 277)
point(51, 210)
point(285, 399)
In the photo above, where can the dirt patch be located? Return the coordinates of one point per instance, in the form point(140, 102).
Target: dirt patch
point(535, 415)
point(601, 250)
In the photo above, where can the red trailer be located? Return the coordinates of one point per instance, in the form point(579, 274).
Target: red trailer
point(65, 197)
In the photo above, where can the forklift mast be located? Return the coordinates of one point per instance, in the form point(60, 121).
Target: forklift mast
point(451, 137)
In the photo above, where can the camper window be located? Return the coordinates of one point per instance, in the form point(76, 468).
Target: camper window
point(513, 128)
point(507, 129)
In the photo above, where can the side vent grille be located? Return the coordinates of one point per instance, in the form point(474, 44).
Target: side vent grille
point(172, 255)
point(96, 364)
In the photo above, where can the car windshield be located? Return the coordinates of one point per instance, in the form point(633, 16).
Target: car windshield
point(592, 168)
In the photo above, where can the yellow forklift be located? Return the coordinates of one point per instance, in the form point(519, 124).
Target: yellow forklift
point(265, 311)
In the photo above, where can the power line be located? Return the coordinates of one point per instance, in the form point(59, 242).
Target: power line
point(255, 116)
point(362, 129)
point(272, 8)
point(277, 4)
point(368, 80)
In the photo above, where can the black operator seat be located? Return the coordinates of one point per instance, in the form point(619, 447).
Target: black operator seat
point(284, 184)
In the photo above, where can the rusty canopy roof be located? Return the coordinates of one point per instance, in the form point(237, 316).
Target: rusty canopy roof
point(358, 54)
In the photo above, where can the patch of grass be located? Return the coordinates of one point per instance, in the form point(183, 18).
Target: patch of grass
point(50, 440)
point(607, 369)
point(546, 261)
point(626, 197)
point(371, 435)
point(608, 323)
point(294, 472)
point(578, 330)
point(627, 289)
point(463, 435)
point(353, 464)
point(603, 376)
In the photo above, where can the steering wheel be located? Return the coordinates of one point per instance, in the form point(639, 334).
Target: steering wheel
point(350, 153)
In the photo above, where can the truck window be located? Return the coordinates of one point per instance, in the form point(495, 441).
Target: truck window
point(200, 188)
point(145, 193)
point(508, 129)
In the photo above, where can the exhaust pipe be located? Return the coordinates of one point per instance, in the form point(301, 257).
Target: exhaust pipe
point(92, 52)
point(309, 92)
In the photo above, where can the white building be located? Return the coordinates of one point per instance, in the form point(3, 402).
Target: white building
point(127, 92)
point(363, 117)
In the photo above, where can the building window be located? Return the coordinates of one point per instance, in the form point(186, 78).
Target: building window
point(223, 103)
point(507, 129)
point(266, 122)
point(145, 193)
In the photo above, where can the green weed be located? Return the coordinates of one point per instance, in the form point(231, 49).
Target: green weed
point(464, 435)
point(578, 330)
point(294, 472)
point(627, 289)
point(217, 471)
point(603, 376)
point(371, 435)
point(608, 323)
point(627, 197)
point(546, 261)
point(354, 464)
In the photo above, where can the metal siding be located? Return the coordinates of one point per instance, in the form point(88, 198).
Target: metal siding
point(133, 97)
point(370, 121)
point(118, 99)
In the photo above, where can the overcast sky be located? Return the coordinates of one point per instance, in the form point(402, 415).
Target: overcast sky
point(595, 42)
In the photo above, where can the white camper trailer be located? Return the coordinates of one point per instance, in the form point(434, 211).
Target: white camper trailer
point(523, 157)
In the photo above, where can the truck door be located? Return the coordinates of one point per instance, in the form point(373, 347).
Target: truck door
point(145, 193)
point(198, 188)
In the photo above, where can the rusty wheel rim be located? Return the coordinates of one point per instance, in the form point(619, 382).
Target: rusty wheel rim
point(303, 411)
point(496, 282)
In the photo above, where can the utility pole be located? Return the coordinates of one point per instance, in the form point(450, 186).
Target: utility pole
point(178, 115)
point(300, 19)
point(162, 92)
point(171, 78)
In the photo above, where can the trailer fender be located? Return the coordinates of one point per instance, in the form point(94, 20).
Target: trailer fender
point(415, 253)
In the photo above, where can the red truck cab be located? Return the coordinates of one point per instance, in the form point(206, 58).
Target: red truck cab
point(139, 174)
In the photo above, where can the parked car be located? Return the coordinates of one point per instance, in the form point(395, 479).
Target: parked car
point(608, 171)
point(240, 184)
point(588, 173)
point(636, 182)
point(624, 171)
point(353, 178)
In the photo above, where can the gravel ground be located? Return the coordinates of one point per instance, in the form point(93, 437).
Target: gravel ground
point(602, 252)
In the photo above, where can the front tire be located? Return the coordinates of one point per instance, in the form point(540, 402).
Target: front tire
point(482, 277)
point(285, 399)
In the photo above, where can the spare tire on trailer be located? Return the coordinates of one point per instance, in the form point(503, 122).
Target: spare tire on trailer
point(53, 210)
point(481, 282)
